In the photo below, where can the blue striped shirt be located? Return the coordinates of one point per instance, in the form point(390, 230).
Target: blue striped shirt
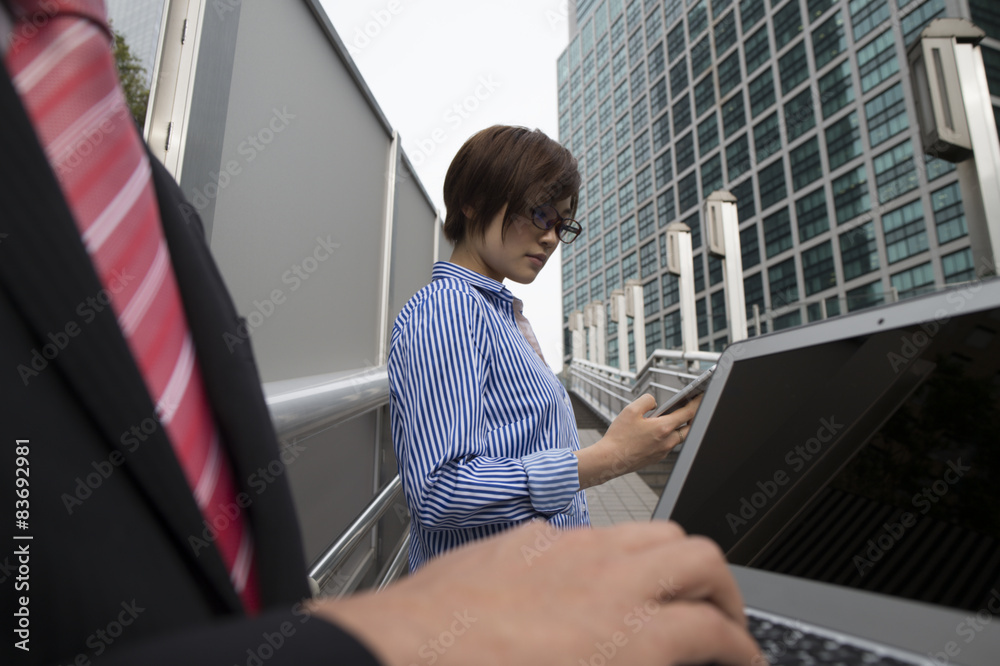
point(483, 430)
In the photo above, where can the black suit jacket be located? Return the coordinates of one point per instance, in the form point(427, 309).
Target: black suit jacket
point(116, 568)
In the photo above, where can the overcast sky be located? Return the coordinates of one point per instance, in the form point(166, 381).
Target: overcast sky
point(442, 70)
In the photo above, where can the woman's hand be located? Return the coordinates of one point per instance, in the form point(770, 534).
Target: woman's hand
point(634, 441)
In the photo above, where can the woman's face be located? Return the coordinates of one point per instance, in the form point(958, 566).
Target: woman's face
point(522, 253)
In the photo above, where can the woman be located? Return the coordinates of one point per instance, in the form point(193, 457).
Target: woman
point(483, 430)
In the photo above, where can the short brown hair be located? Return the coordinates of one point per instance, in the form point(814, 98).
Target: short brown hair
point(505, 165)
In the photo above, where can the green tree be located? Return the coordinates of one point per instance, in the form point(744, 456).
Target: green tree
point(133, 78)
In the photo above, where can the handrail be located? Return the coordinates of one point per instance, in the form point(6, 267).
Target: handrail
point(335, 554)
point(308, 405)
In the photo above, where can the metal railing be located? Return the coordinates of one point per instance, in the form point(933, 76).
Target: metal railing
point(607, 390)
point(306, 406)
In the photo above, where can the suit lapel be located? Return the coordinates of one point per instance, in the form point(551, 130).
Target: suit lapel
point(49, 276)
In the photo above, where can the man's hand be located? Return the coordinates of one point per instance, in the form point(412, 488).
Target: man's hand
point(634, 441)
point(640, 593)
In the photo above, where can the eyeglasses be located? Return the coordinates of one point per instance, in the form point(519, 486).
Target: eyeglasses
point(546, 217)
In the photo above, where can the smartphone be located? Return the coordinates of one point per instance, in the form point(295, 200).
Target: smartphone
point(682, 397)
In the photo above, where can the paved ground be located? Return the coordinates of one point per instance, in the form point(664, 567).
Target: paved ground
point(619, 500)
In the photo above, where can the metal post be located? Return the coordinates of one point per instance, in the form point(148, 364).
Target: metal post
point(618, 314)
point(756, 318)
point(724, 234)
point(636, 308)
point(680, 262)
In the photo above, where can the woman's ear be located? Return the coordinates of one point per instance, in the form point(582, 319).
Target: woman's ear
point(468, 212)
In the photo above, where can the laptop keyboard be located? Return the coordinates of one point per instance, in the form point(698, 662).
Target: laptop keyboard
point(794, 645)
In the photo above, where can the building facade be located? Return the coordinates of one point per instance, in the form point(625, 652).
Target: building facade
point(803, 110)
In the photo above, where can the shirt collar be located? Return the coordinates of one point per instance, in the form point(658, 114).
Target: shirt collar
point(446, 269)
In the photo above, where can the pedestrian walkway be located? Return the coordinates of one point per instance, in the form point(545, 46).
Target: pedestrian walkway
point(622, 499)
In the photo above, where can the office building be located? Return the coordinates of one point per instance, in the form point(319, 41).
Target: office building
point(803, 110)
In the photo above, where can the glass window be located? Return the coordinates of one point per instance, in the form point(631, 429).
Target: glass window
point(635, 47)
point(640, 115)
point(642, 148)
point(665, 209)
point(866, 15)
point(788, 320)
point(676, 44)
point(608, 176)
point(701, 313)
point(725, 34)
point(859, 251)
point(633, 13)
point(905, 232)
point(630, 268)
point(644, 184)
point(623, 130)
point(605, 113)
point(672, 338)
point(810, 211)
point(916, 20)
point(753, 294)
point(799, 114)
point(771, 184)
point(767, 137)
point(626, 199)
point(711, 174)
point(777, 232)
point(701, 57)
point(719, 6)
point(638, 79)
point(865, 296)
point(594, 187)
point(582, 295)
point(661, 132)
point(986, 16)
point(621, 98)
point(611, 278)
point(685, 152)
point(610, 210)
point(829, 40)
point(718, 310)
point(687, 190)
point(596, 256)
point(935, 168)
point(745, 207)
point(750, 246)
point(627, 233)
point(567, 274)
point(806, 164)
point(697, 20)
point(886, 115)
point(658, 96)
point(678, 77)
point(656, 61)
point(784, 283)
point(835, 89)
point(682, 114)
point(816, 8)
point(729, 74)
point(913, 282)
point(591, 128)
point(647, 221)
point(850, 195)
point(597, 288)
point(733, 115)
point(581, 267)
point(603, 50)
point(793, 67)
point(761, 92)
point(619, 65)
point(756, 50)
point(751, 11)
point(625, 164)
point(647, 263)
point(704, 95)
point(588, 67)
point(818, 271)
point(958, 266)
point(949, 216)
point(611, 245)
point(737, 158)
point(664, 169)
point(895, 172)
point(843, 141)
point(787, 25)
point(714, 270)
point(654, 27)
point(708, 134)
point(670, 289)
point(877, 60)
point(607, 145)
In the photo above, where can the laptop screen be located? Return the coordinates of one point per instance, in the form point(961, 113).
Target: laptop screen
point(862, 452)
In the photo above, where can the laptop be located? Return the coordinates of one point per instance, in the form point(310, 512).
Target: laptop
point(850, 470)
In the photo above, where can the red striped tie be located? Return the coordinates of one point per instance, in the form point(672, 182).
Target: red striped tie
point(63, 68)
